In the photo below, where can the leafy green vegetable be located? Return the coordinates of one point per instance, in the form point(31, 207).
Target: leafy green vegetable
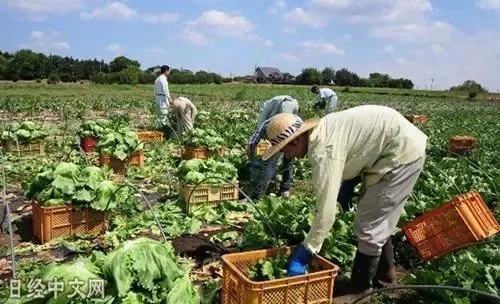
point(94, 128)
point(25, 132)
point(120, 144)
point(269, 269)
point(68, 183)
point(148, 270)
point(207, 138)
point(194, 171)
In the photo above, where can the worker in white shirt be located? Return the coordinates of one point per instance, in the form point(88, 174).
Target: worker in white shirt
point(185, 112)
point(326, 98)
point(374, 142)
point(271, 107)
point(162, 95)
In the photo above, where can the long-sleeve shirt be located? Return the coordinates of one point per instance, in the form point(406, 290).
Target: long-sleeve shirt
point(329, 96)
point(271, 107)
point(162, 94)
point(186, 106)
point(367, 141)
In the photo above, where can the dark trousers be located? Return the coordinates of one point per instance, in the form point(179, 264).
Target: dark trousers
point(268, 171)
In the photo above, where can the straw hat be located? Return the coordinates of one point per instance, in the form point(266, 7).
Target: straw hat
point(283, 128)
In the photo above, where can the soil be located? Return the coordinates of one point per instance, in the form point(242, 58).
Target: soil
point(198, 248)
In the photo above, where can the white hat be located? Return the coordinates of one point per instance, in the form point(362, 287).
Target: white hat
point(283, 128)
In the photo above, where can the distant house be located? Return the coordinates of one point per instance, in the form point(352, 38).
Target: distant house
point(266, 74)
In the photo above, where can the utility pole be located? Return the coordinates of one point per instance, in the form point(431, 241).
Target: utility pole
point(432, 83)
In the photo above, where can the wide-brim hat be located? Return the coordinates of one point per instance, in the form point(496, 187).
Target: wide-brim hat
point(283, 128)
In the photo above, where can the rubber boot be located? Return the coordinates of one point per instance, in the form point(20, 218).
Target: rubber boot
point(364, 270)
point(386, 271)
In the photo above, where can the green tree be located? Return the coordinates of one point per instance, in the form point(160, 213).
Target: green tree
point(469, 86)
point(26, 64)
point(120, 63)
point(4, 63)
point(309, 76)
point(344, 77)
point(327, 76)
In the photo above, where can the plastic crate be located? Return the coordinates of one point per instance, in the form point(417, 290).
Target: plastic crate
point(118, 166)
point(314, 287)
point(150, 136)
point(200, 153)
point(88, 144)
point(207, 194)
point(103, 159)
point(461, 221)
point(33, 148)
point(63, 221)
point(461, 145)
point(417, 118)
point(262, 147)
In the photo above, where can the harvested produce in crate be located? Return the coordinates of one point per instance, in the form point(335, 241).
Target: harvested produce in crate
point(68, 183)
point(94, 128)
point(269, 269)
point(24, 132)
point(207, 138)
point(120, 144)
point(194, 171)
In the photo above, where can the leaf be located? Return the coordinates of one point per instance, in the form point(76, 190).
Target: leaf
point(83, 195)
point(65, 184)
point(268, 270)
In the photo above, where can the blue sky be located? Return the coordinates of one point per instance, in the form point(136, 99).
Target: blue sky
point(446, 40)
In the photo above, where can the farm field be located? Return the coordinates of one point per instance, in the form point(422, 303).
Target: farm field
point(195, 242)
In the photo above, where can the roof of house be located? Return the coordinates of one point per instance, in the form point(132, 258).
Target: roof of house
point(269, 71)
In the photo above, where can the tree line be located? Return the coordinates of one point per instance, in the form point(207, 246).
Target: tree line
point(28, 65)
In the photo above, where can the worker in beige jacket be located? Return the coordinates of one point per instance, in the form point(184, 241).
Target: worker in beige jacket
point(185, 113)
point(371, 141)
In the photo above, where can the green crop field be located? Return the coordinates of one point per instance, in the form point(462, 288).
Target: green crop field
point(62, 174)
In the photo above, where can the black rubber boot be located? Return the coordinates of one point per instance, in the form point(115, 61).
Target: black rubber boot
point(386, 271)
point(364, 270)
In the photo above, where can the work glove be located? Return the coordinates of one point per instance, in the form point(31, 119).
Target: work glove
point(320, 105)
point(299, 261)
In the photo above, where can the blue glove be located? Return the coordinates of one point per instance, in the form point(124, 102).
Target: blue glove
point(299, 261)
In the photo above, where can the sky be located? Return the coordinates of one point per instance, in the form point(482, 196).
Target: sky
point(436, 44)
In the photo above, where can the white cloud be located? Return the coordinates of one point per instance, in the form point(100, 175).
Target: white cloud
point(388, 48)
point(309, 18)
point(47, 6)
point(268, 43)
point(46, 42)
point(489, 4)
point(374, 11)
point(435, 32)
point(437, 49)
point(192, 37)
point(115, 48)
point(277, 7)
point(471, 55)
point(320, 47)
point(156, 51)
point(346, 37)
point(289, 30)
point(38, 35)
point(223, 24)
point(286, 57)
point(61, 45)
point(111, 10)
point(401, 60)
point(160, 18)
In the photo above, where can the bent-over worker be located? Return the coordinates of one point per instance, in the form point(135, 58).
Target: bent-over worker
point(371, 141)
point(162, 96)
point(326, 98)
point(271, 107)
point(185, 112)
